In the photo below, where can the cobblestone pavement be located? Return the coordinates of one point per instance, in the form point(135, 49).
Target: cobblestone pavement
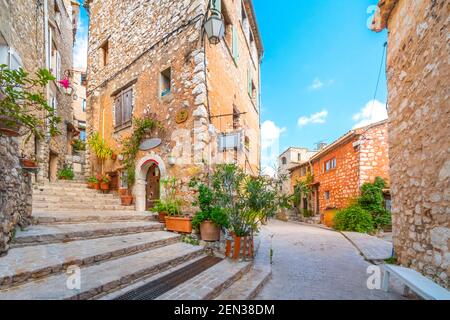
point(316, 264)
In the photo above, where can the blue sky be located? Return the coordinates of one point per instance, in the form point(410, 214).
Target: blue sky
point(319, 70)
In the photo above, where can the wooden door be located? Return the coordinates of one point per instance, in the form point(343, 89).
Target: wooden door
point(153, 186)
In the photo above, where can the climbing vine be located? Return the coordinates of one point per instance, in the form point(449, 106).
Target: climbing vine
point(141, 128)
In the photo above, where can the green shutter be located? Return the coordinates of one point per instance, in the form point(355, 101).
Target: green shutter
point(235, 45)
point(249, 81)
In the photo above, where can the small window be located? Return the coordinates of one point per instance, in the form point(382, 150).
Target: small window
point(105, 53)
point(330, 165)
point(123, 108)
point(229, 29)
point(327, 195)
point(123, 180)
point(82, 135)
point(83, 105)
point(299, 157)
point(284, 160)
point(236, 118)
point(165, 82)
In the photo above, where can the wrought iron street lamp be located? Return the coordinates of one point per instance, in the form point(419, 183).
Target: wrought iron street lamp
point(214, 26)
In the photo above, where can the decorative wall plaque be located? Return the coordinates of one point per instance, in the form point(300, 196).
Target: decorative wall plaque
point(181, 116)
point(150, 144)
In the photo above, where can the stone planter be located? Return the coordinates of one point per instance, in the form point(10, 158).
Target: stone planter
point(127, 200)
point(9, 126)
point(240, 248)
point(179, 224)
point(209, 231)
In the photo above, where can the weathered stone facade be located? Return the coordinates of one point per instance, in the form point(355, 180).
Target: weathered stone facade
point(359, 156)
point(135, 47)
point(418, 79)
point(15, 192)
point(40, 34)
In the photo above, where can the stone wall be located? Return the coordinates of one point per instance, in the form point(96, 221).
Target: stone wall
point(419, 129)
point(15, 192)
point(22, 25)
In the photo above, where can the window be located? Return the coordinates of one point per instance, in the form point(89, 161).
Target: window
point(82, 135)
point(330, 165)
point(104, 50)
point(10, 57)
point(230, 141)
point(327, 195)
point(83, 105)
point(284, 160)
point(231, 35)
point(123, 108)
point(123, 180)
point(236, 118)
point(299, 157)
point(165, 82)
point(57, 14)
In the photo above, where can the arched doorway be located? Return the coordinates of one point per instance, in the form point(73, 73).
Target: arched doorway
point(144, 171)
point(152, 188)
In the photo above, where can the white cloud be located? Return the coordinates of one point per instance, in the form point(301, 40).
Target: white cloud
point(270, 146)
point(373, 111)
point(319, 84)
point(80, 49)
point(319, 117)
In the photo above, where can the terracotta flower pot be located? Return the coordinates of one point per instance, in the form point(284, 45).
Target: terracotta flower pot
point(209, 231)
point(114, 157)
point(9, 126)
point(104, 186)
point(179, 224)
point(91, 185)
point(96, 186)
point(127, 200)
point(162, 217)
point(28, 163)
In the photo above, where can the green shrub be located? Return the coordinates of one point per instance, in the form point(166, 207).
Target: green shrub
point(354, 218)
point(78, 145)
point(215, 215)
point(66, 173)
point(372, 200)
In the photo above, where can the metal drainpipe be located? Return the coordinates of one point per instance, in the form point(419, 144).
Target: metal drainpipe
point(47, 66)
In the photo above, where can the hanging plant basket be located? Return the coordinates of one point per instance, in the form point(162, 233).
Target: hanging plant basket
point(28, 164)
point(9, 126)
point(240, 247)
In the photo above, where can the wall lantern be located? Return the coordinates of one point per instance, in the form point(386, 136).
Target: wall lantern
point(214, 25)
point(172, 160)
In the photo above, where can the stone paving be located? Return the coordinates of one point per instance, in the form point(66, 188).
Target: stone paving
point(372, 248)
point(316, 264)
point(108, 276)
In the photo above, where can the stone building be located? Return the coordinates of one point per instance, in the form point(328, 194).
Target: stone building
point(153, 58)
point(289, 159)
point(418, 75)
point(40, 34)
point(341, 168)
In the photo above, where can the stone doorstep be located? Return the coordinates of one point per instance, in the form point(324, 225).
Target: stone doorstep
point(210, 283)
point(77, 206)
point(58, 197)
point(46, 234)
point(21, 265)
point(81, 201)
point(80, 216)
point(249, 286)
point(107, 277)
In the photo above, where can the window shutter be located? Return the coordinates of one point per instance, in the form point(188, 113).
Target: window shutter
point(58, 66)
point(249, 81)
point(118, 110)
point(128, 105)
point(4, 55)
point(235, 45)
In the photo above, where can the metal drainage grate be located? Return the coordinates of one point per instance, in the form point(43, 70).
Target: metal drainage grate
point(158, 287)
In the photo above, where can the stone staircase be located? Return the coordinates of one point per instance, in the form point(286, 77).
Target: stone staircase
point(111, 252)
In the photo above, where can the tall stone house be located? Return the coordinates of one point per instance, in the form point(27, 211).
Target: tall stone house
point(153, 58)
point(289, 159)
point(418, 76)
point(40, 34)
point(341, 168)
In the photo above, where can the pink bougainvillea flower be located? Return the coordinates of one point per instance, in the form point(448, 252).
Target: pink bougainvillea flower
point(65, 83)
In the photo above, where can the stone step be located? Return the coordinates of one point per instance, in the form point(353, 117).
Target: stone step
point(45, 234)
point(80, 216)
point(42, 200)
point(77, 206)
point(210, 283)
point(106, 277)
point(21, 265)
point(63, 187)
point(248, 287)
point(65, 195)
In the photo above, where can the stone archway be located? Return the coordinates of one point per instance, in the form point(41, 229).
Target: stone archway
point(142, 168)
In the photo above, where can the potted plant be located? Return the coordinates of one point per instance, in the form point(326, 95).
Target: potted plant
point(126, 198)
point(66, 173)
point(175, 220)
point(161, 207)
point(93, 183)
point(9, 126)
point(211, 218)
point(29, 163)
point(104, 183)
